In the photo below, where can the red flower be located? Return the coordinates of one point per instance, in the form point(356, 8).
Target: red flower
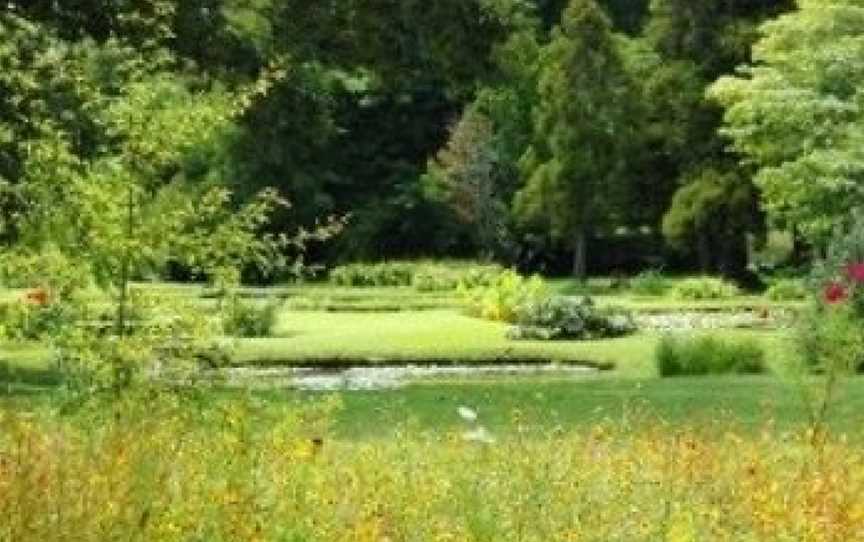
point(836, 293)
point(855, 272)
point(37, 297)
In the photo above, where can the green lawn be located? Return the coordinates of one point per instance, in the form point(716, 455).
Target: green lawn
point(353, 334)
point(321, 337)
point(751, 403)
point(628, 389)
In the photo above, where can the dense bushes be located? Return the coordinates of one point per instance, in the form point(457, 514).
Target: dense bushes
point(651, 282)
point(423, 276)
point(565, 318)
point(677, 356)
point(831, 340)
point(380, 274)
point(705, 288)
point(21, 320)
point(249, 320)
point(502, 299)
point(787, 290)
point(48, 270)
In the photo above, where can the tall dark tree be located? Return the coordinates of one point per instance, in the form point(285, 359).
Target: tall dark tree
point(373, 86)
point(580, 125)
point(686, 46)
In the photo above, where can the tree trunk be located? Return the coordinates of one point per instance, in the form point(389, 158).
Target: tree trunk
point(580, 267)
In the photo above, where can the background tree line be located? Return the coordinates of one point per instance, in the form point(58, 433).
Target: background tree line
point(566, 135)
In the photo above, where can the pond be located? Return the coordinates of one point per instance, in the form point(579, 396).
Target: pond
point(384, 376)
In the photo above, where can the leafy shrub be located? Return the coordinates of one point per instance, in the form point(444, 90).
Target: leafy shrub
point(831, 339)
point(165, 338)
point(502, 299)
point(48, 269)
point(787, 290)
point(708, 355)
point(423, 276)
point(435, 279)
point(446, 278)
point(650, 282)
point(701, 288)
point(248, 320)
point(24, 320)
point(564, 318)
point(831, 334)
point(379, 274)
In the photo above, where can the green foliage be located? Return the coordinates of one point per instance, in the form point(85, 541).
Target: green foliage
point(48, 269)
point(466, 176)
point(164, 339)
point(23, 320)
point(378, 274)
point(700, 288)
point(650, 283)
point(444, 278)
point(245, 319)
point(580, 129)
point(139, 196)
point(831, 334)
point(566, 318)
point(787, 290)
point(831, 340)
point(422, 276)
point(795, 113)
point(708, 355)
point(503, 298)
point(709, 213)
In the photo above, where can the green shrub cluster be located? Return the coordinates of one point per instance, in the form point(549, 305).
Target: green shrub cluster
point(565, 318)
point(831, 339)
point(422, 276)
point(504, 296)
point(249, 320)
point(787, 290)
point(703, 288)
point(379, 274)
point(678, 356)
point(649, 283)
point(164, 338)
point(20, 320)
point(48, 269)
point(447, 278)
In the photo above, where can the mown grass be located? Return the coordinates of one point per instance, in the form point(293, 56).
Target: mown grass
point(750, 403)
point(541, 404)
point(450, 335)
point(319, 337)
point(441, 335)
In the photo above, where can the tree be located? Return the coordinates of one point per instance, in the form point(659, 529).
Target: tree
point(136, 203)
point(709, 213)
point(795, 113)
point(579, 129)
point(686, 46)
point(465, 176)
